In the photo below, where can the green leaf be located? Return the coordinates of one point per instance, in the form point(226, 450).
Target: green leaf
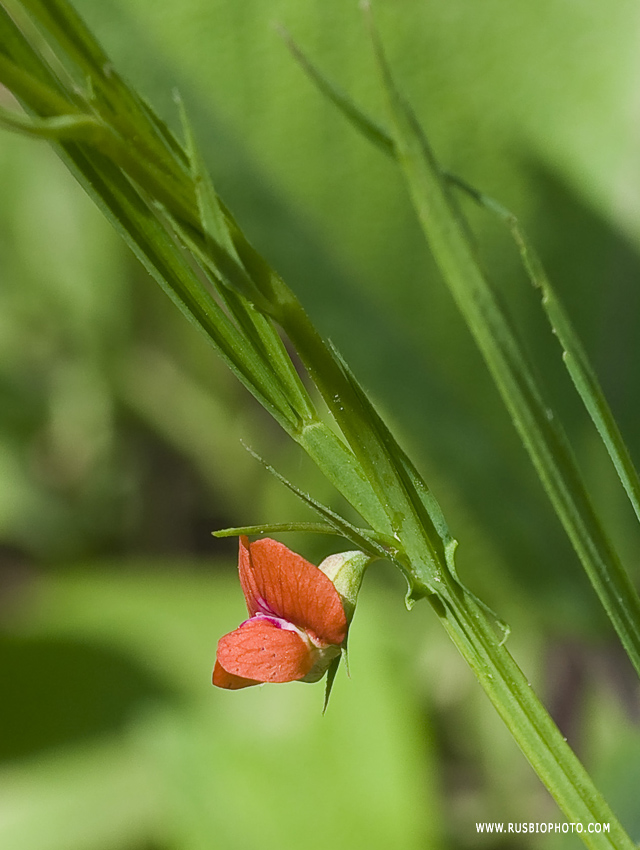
point(343, 469)
point(362, 122)
point(533, 418)
point(361, 538)
point(218, 244)
point(573, 354)
point(246, 304)
point(148, 239)
point(77, 128)
point(279, 528)
point(244, 299)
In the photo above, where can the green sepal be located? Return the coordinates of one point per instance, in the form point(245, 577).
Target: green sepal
point(346, 571)
point(331, 675)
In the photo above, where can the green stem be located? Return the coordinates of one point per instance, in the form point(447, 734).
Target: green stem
point(405, 520)
point(526, 718)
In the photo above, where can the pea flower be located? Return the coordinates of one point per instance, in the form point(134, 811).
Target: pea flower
point(299, 615)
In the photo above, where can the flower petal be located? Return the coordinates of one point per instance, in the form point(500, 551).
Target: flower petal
point(222, 679)
point(278, 581)
point(261, 651)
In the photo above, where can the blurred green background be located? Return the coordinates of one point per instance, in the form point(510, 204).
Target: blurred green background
point(120, 439)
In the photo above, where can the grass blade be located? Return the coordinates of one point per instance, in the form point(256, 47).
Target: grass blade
point(574, 355)
point(277, 528)
point(359, 537)
point(539, 430)
point(362, 122)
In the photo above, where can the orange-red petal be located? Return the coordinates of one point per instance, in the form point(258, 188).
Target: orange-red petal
point(222, 679)
point(276, 580)
point(261, 651)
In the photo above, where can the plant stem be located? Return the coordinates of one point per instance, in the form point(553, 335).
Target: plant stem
point(526, 718)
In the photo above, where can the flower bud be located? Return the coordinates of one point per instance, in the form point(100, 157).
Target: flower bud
point(345, 570)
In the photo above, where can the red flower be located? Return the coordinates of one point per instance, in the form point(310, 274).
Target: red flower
point(297, 622)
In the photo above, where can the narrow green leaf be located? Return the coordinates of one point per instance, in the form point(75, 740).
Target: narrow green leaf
point(218, 241)
point(364, 540)
point(362, 122)
point(211, 214)
point(37, 89)
point(278, 528)
point(78, 128)
point(536, 423)
point(305, 528)
point(145, 235)
point(257, 327)
point(344, 471)
point(573, 354)
point(423, 500)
